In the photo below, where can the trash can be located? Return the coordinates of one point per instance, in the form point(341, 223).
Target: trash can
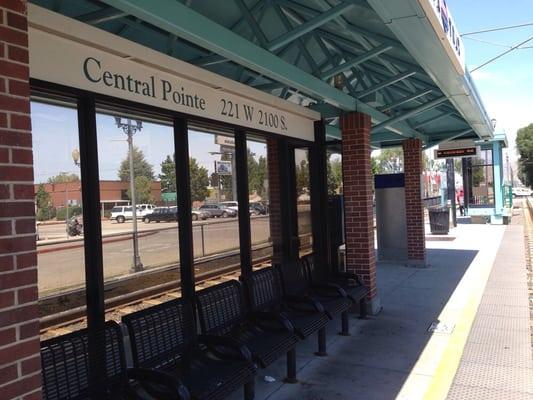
point(439, 220)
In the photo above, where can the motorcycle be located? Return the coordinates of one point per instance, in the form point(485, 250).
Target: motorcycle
point(74, 227)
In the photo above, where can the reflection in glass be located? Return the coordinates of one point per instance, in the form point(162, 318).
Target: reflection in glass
point(303, 197)
point(137, 183)
point(214, 198)
point(482, 179)
point(258, 192)
point(58, 202)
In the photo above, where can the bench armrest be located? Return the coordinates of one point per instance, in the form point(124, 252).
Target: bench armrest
point(348, 275)
point(303, 303)
point(328, 289)
point(270, 321)
point(225, 347)
point(167, 382)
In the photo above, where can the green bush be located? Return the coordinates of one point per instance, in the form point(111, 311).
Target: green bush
point(45, 214)
point(61, 214)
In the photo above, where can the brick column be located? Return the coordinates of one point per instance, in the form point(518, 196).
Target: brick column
point(19, 324)
point(358, 210)
point(274, 198)
point(414, 210)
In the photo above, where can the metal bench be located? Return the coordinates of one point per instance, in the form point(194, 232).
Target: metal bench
point(268, 336)
point(163, 337)
point(348, 281)
point(265, 292)
point(332, 297)
point(69, 373)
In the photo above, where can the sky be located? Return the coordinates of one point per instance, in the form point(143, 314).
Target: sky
point(55, 136)
point(506, 85)
point(506, 88)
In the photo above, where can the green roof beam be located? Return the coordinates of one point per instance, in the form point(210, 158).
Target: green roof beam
point(406, 100)
point(411, 113)
point(180, 20)
point(384, 84)
point(356, 61)
point(100, 16)
point(308, 26)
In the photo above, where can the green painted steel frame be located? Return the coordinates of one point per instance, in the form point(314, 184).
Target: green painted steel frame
point(180, 20)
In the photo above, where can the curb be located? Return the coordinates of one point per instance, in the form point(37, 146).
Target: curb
point(81, 243)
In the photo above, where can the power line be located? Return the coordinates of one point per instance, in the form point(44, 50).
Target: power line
point(502, 28)
point(502, 54)
point(507, 46)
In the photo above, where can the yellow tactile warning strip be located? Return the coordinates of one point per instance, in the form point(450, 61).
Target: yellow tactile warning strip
point(433, 374)
point(489, 354)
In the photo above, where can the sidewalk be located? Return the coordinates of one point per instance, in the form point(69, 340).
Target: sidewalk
point(393, 355)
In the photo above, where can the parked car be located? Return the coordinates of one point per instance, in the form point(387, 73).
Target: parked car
point(218, 210)
point(145, 209)
point(170, 214)
point(231, 204)
point(521, 191)
point(259, 208)
point(162, 214)
point(122, 213)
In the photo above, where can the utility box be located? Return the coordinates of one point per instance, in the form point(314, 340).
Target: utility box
point(390, 217)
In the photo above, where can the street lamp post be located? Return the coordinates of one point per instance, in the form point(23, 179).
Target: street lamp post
point(130, 129)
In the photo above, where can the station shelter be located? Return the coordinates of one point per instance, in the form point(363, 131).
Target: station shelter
point(486, 197)
point(292, 80)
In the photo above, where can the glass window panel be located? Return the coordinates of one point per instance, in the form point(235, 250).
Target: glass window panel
point(482, 185)
point(214, 201)
point(153, 220)
point(58, 206)
point(258, 197)
point(303, 198)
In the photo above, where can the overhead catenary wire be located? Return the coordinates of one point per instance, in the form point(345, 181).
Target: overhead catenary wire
point(502, 54)
point(501, 28)
point(506, 46)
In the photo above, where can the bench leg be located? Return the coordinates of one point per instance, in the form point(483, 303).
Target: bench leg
point(362, 308)
point(322, 342)
point(291, 367)
point(249, 390)
point(345, 324)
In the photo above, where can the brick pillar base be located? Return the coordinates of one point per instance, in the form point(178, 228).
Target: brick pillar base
point(20, 367)
point(358, 210)
point(414, 210)
point(274, 199)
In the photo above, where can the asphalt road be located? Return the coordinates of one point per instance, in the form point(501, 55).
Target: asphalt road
point(62, 269)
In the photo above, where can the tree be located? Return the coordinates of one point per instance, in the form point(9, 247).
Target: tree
point(524, 145)
point(45, 210)
point(302, 177)
point(143, 190)
point(42, 197)
point(64, 177)
point(168, 174)
point(257, 174)
point(389, 161)
point(141, 167)
point(199, 181)
point(334, 176)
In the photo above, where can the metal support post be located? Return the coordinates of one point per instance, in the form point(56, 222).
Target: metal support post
point(450, 180)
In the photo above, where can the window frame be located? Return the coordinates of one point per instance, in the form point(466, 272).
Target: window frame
point(88, 104)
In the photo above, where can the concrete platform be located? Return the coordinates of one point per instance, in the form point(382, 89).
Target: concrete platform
point(393, 355)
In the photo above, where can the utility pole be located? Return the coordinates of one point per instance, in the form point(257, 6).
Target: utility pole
point(130, 129)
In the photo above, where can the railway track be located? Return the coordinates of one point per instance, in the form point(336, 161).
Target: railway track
point(116, 307)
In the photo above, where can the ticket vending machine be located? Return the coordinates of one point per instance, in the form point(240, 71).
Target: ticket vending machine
point(390, 217)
